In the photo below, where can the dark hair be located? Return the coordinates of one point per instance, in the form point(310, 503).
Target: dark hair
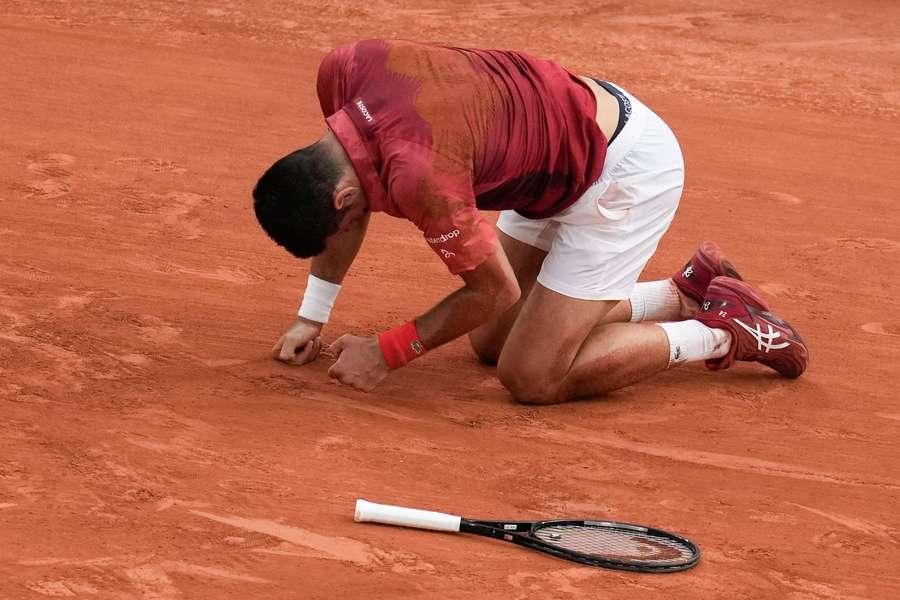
point(293, 200)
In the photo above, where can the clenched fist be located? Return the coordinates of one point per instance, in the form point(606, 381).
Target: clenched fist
point(359, 363)
point(300, 344)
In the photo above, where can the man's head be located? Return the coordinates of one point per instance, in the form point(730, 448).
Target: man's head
point(308, 196)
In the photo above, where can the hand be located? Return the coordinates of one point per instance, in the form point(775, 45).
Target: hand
point(300, 344)
point(359, 363)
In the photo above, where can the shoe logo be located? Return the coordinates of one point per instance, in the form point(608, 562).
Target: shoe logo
point(447, 253)
point(764, 341)
point(705, 306)
point(688, 271)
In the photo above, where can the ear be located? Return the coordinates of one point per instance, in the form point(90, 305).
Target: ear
point(343, 196)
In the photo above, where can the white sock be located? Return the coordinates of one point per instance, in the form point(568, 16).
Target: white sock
point(655, 301)
point(691, 341)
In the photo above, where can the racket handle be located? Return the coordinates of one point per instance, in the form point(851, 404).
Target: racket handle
point(406, 517)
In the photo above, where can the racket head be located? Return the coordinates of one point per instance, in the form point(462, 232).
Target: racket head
point(609, 544)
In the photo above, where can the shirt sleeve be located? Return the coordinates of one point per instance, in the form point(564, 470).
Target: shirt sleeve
point(332, 79)
point(463, 240)
point(439, 198)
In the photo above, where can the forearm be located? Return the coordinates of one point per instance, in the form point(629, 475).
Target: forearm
point(330, 267)
point(491, 288)
point(461, 312)
point(333, 264)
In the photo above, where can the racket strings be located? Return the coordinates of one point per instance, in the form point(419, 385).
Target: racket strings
point(614, 543)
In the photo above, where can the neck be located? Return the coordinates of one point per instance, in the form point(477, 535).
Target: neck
point(331, 143)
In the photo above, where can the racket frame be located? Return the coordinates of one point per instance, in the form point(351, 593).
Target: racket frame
point(523, 534)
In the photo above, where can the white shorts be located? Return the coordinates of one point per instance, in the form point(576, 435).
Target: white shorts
point(598, 246)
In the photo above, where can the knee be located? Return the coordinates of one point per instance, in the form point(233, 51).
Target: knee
point(528, 389)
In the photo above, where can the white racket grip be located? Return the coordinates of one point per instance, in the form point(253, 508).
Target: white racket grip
point(406, 517)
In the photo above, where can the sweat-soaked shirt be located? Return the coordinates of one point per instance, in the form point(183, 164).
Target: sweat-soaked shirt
point(436, 133)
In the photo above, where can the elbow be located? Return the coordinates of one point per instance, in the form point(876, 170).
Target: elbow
point(495, 300)
point(507, 296)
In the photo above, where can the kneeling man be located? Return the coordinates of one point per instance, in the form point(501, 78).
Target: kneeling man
point(587, 180)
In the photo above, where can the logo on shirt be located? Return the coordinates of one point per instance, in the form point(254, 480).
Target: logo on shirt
point(444, 237)
point(447, 253)
point(365, 111)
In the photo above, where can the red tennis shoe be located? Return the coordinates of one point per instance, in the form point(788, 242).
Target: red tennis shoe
point(756, 334)
point(707, 263)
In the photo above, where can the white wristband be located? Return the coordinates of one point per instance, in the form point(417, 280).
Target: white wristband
point(318, 299)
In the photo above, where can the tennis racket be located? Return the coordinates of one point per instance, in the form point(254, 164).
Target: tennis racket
point(597, 543)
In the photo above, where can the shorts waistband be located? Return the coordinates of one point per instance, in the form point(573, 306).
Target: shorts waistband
point(632, 118)
point(624, 106)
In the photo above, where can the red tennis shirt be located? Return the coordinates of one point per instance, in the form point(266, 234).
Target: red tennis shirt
point(436, 133)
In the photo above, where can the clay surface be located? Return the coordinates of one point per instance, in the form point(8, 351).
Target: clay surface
point(150, 448)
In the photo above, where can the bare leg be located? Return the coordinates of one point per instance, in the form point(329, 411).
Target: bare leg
point(614, 356)
point(556, 352)
point(619, 313)
point(488, 340)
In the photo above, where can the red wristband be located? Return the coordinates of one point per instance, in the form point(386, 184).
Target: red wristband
point(400, 345)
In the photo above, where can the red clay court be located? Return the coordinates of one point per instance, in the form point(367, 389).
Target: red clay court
point(150, 448)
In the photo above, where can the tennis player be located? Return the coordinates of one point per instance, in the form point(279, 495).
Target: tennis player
point(587, 180)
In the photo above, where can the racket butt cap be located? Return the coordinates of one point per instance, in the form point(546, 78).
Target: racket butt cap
point(405, 517)
point(359, 512)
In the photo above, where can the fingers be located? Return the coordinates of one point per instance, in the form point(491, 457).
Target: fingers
point(338, 346)
point(336, 372)
point(298, 344)
point(296, 351)
point(309, 352)
point(364, 387)
point(276, 349)
point(300, 349)
point(288, 350)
